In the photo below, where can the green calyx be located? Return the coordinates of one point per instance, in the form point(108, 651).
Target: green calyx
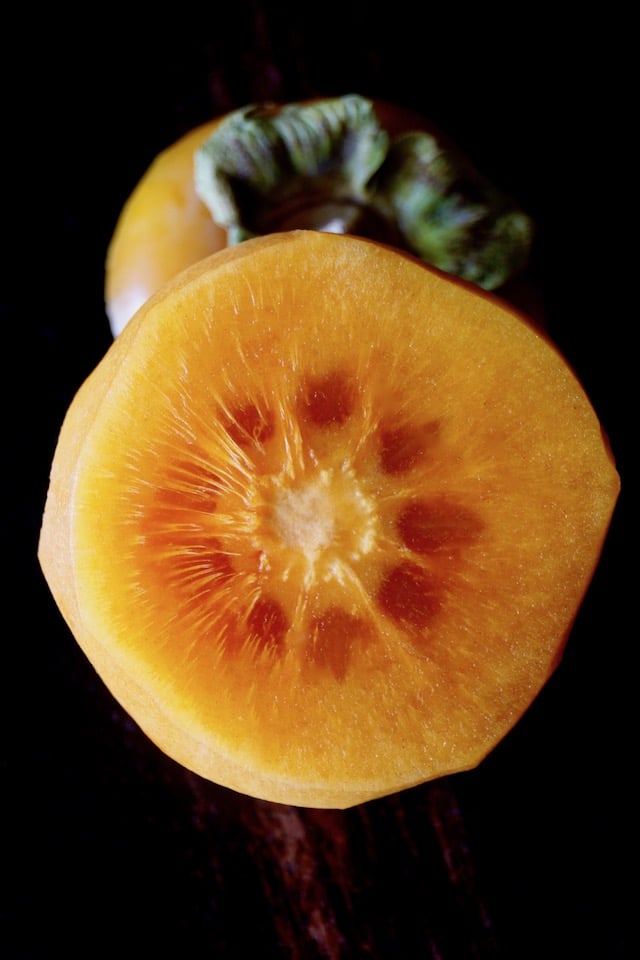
point(329, 165)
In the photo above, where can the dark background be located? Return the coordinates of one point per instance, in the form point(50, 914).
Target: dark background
point(107, 846)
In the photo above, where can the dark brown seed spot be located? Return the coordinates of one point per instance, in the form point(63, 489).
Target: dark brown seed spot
point(219, 563)
point(250, 425)
point(410, 595)
point(333, 636)
point(329, 400)
point(268, 623)
point(429, 525)
point(401, 448)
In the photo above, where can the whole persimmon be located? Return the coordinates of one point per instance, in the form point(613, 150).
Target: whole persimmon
point(346, 165)
point(323, 516)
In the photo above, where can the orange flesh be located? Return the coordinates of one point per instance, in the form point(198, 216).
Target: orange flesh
point(322, 519)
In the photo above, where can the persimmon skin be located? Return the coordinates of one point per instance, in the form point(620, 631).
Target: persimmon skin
point(163, 228)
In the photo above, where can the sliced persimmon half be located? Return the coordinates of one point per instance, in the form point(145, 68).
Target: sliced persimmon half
point(323, 516)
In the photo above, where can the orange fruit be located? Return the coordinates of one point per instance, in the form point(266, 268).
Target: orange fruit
point(323, 516)
point(163, 228)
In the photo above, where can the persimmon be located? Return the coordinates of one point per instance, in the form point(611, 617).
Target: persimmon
point(344, 164)
point(163, 228)
point(323, 516)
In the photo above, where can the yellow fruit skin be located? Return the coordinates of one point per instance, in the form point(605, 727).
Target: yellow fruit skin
point(172, 719)
point(163, 228)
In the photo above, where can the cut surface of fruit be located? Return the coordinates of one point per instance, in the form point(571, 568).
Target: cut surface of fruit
point(322, 518)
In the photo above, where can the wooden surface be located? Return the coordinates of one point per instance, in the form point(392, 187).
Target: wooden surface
point(110, 849)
